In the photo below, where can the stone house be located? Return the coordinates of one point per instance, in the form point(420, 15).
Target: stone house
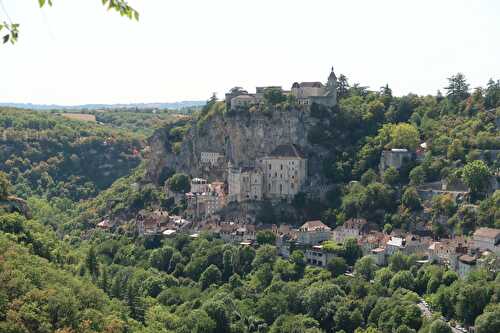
point(395, 244)
point(236, 233)
point(379, 256)
point(394, 158)
point(313, 233)
point(447, 251)
point(317, 256)
point(201, 205)
point(199, 185)
point(465, 264)
point(352, 228)
point(487, 239)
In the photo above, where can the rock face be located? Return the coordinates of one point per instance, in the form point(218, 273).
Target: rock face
point(15, 204)
point(241, 138)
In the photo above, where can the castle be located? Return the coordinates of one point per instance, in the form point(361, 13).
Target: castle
point(305, 93)
point(280, 175)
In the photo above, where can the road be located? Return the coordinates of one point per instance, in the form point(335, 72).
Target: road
point(427, 312)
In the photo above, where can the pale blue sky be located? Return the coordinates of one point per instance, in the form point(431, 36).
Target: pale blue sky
point(77, 52)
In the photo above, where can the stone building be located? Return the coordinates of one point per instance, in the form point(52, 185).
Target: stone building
point(487, 239)
point(244, 183)
point(206, 201)
point(394, 158)
point(280, 175)
point(308, 93)
point(199, 185)
point(352, 228)
point(285, 171)
point(317, 256)
point(313, 233)
point(211, 158)
point(465, 264)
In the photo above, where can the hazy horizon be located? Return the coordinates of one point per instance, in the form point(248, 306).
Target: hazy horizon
point(79, 53)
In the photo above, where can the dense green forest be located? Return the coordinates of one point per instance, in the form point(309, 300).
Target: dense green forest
point(60, 274)
point(49, 155)
point(120, 283)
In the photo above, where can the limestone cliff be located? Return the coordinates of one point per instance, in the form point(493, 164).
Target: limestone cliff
point(14, 204)
point(241, 137)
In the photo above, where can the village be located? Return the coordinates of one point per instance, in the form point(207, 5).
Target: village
point(283, 174)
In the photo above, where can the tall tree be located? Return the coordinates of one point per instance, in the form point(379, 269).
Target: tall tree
point(4, 186)
point(458, 88)
point(342, 87)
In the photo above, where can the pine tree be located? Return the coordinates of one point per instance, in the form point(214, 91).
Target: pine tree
point(91, 263)
point(458, 88)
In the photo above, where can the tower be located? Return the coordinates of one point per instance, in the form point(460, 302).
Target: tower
point(331, 88)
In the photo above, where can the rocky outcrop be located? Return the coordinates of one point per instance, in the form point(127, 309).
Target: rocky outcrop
point(241, 137)
point(14, 204)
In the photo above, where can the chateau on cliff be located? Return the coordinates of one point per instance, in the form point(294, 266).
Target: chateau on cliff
point(306, 93)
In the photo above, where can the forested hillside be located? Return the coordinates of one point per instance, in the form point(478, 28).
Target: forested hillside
point(49, 155)
point(58, 273)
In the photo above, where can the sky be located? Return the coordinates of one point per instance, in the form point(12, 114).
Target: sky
point(77, 52)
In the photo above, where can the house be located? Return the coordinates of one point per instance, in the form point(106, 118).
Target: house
point(313, 233)
point(394, 158)
point(466, 264)
point(104, 224)
point(379, 257)
point(236, 233)
point(199, 185)
point(487, 239)
point(446, 251)
point(205, 199)
point(372, 240)
point(395, 244)
point(352, 228)
point(317, 256)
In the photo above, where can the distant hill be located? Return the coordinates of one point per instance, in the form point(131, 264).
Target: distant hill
point(170, 106)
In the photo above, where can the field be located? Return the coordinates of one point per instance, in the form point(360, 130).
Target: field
point(79, 116)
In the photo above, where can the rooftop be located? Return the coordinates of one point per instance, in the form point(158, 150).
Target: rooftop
point(467, 259)
point(314, 225)
point(487, 233)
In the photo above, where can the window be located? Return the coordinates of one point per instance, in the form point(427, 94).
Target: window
point(281, 166)
point(281, 188)
point(269, 166)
